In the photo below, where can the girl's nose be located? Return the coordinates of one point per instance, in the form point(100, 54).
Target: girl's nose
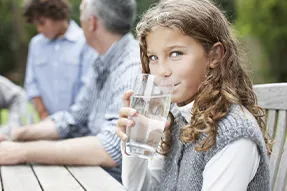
point(164, 70)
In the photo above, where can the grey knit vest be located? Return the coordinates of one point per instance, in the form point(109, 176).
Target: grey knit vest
point(184, 166)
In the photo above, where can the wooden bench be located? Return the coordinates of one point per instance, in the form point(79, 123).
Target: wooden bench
point(273, 98)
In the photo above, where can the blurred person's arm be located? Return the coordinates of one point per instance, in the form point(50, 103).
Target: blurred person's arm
point(77, 151)
point(60, 124)
point(31, 86)
point(40, 107)
point(45, 130)
point(77, 115)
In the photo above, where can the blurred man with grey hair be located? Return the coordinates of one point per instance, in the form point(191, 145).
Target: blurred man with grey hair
point(89, 125)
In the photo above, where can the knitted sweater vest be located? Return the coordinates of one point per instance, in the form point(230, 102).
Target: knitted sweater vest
point(184, 166)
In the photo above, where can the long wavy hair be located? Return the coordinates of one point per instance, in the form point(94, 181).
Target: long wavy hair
point(225, 84)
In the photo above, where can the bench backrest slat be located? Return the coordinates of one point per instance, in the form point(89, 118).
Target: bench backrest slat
point(273, 99)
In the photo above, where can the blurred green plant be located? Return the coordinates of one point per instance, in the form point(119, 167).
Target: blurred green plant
point(266, 22)
point(7, 62)
point(14, 37)
point(76, 10)
point(262, 26)
point(228, 7)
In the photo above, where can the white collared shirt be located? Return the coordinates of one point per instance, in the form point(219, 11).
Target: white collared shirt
point(223, 172)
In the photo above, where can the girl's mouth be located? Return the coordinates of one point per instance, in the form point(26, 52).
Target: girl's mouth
point(176, 84)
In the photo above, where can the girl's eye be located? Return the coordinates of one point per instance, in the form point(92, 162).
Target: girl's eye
point(175, 54)
point(152, 58)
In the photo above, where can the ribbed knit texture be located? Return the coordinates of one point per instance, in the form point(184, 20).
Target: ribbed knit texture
point(184, 166)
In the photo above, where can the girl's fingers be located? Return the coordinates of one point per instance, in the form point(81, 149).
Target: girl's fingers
point(120, 133)
point(126, 112)
point(126, 98)
point(124, 122)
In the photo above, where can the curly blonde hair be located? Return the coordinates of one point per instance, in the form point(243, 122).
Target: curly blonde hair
point(225, 84)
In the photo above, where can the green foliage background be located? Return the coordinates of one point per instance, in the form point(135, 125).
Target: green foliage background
point(261, 26)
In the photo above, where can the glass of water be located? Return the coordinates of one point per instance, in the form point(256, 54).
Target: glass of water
point(151, 99)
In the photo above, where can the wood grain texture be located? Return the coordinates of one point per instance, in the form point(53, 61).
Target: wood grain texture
point(281, 180)
point(95, 179)
point(271, 123)
point(278, 146)
point(272, 96)
point(19, 178)
point(56, 178)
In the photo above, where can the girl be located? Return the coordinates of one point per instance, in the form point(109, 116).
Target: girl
point(215, 140)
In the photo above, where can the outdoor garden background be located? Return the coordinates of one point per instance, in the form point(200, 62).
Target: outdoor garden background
point(261, 27)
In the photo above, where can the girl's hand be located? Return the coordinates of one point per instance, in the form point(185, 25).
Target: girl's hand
point(128, 112)
point(125, 112)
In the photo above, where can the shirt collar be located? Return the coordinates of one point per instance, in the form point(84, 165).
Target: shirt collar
point(73, 32)
point(186, 111)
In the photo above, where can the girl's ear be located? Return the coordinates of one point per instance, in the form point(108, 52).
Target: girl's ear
point(216, 54)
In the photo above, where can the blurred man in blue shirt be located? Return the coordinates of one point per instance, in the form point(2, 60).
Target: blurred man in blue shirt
point(58, 56)
point(85, 133)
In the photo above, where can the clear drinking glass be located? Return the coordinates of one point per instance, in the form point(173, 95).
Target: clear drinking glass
point(151, 99)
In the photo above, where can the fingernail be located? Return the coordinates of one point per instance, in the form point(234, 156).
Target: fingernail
point(130, 123)
point(133, 112)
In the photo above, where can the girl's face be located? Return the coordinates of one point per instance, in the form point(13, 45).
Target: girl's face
point(178, 57)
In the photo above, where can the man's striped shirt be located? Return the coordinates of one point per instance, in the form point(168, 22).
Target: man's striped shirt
point(97, 106)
